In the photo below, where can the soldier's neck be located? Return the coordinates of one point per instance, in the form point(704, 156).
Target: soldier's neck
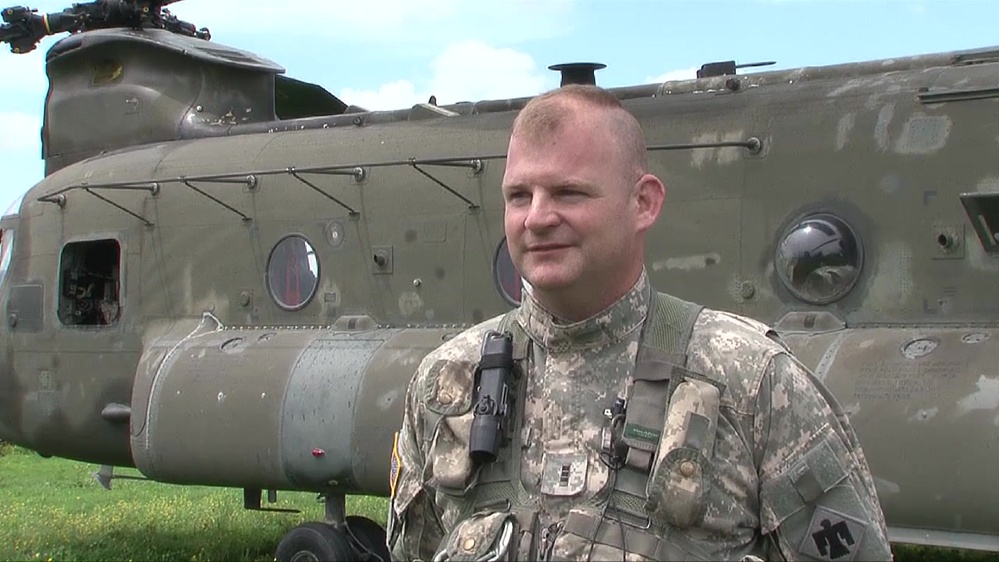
point(607, 325)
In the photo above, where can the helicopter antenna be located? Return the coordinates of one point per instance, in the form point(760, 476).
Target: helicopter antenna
point(23, 27)
point(727, 68)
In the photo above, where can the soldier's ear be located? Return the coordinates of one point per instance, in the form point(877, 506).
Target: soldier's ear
point(650, 194)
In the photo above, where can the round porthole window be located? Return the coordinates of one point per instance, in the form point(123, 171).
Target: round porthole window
point(819, 259)
point(292, 272)
point(506, 276)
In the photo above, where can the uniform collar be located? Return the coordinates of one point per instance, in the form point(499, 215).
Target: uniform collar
point(604, 328)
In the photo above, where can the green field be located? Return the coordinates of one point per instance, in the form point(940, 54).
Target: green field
point(54, 509)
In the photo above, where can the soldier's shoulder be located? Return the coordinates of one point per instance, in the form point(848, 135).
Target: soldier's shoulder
point(735, 349)
point(465, 346)
point(445, 377)
point(719, 326)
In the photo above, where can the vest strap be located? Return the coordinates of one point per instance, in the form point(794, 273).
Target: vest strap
point(660, 359)
point(669, 326)
point(643, 424)
point(623, 537)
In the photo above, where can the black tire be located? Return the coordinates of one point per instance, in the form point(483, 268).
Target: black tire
point(371, 537)
point(314, 542)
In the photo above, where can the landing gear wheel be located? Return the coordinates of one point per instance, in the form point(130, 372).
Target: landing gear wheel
point(314, 542)
point(371, 537)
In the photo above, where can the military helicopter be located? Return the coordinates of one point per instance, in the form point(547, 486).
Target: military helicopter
point(230, 278)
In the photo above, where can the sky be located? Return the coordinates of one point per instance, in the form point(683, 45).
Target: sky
point(391, 54)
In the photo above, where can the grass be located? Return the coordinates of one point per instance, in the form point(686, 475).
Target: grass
point(52, 509)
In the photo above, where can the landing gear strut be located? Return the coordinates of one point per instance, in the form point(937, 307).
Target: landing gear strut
point(339, 538)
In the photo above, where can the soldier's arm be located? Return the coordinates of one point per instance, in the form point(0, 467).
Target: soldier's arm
point(817, 497)
point(414, 530)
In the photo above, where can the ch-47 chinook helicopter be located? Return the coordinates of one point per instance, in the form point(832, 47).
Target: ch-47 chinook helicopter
point(227, 277)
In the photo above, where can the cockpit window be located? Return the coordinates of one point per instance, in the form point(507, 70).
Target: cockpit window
point(15, 206)
point(6, 250)
point(819, 259)
point(7, 239)
point(292, 272)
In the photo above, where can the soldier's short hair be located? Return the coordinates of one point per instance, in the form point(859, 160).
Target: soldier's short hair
point(547, 115)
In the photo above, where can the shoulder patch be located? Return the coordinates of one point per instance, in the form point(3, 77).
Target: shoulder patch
point(832, 536)
point(396, 463)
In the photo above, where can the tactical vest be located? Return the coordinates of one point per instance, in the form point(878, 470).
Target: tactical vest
point(664, 434)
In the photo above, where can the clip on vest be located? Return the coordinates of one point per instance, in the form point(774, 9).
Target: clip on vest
point(615, 450)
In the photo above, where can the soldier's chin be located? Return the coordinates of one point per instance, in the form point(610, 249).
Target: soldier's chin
point(542, 282)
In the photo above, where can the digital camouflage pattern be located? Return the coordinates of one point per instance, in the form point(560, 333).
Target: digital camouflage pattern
point(775, 447)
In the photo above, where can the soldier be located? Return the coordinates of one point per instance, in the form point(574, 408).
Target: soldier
point(628, 424)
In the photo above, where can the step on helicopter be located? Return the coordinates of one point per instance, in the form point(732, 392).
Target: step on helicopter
point(228, 276)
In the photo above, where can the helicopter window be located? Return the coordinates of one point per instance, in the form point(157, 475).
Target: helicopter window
point(106, 71)
point(819, 259)
point(6, 249)
point(90, 282)
point(292, 272)
point(15, 206)
point(506, 276)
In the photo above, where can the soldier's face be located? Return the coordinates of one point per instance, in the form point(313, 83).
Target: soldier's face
point(571, 210)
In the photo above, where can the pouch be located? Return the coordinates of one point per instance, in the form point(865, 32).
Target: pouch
point(482, 537)
point(681, 474)
point(448, 396)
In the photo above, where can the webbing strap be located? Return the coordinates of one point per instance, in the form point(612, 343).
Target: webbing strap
point(629, 539)
point(628, 497)
point(660, 359)
point(669, 326)
point(644, 422)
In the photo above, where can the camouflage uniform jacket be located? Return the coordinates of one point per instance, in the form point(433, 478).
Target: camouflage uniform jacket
point(787, 478)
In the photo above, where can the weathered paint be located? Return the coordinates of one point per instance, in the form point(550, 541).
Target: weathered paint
point(925, 391)
point(868, 142)
point(255, 406)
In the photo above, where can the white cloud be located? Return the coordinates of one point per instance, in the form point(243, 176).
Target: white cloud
point(19, 131)
point(472, 70)
point(464, 71)
point(682, 74)
point(394, 95)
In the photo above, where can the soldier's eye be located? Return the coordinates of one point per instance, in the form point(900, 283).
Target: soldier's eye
point(518, 196)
